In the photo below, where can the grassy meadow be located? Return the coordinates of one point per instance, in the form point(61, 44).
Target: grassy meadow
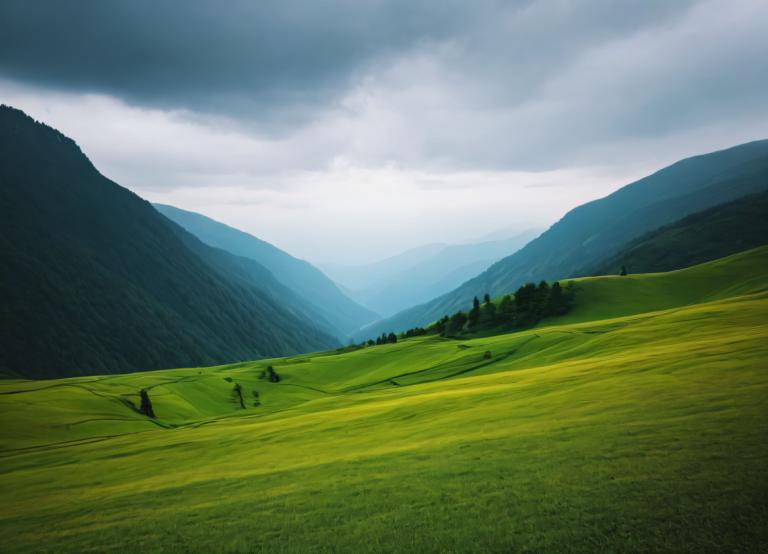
point(637, 422)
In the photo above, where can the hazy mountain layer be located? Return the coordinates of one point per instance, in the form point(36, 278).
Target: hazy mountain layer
point(423, 273)
point(332, 305)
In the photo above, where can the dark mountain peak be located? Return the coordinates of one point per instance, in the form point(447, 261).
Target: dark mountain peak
point(24, 140)
point(16, 123)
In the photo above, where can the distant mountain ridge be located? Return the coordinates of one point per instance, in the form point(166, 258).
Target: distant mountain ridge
point(423, 273)
point(358, 277)
point(342, 314)
point(97, 281)
point(598, 229)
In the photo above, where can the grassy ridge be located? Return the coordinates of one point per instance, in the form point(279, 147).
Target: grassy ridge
point(630, 431)
point(615, 296)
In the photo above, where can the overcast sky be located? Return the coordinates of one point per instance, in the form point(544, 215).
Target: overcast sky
point(349, 130)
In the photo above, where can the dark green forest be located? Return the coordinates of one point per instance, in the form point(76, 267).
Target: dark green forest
point(525, 308)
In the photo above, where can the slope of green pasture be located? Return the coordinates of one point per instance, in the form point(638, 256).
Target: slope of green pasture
point(614, 296)
point(644, 432)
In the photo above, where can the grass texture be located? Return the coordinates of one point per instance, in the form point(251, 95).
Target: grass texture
point(638, 422)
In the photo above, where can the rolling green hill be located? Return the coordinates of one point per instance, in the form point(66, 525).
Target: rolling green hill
point(697, 238)
point(305, 280)
point(635, 423)
point(593, 231)
point(96, 281)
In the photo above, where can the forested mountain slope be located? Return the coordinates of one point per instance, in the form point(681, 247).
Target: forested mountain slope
point(343, 314)
point(700, 237)
point(98, 281)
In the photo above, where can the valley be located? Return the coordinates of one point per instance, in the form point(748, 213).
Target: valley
point(389, 277)
point(635, 422)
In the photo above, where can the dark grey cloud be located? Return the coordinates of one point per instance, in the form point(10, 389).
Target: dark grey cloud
point(283, 116)
point(257, 57)
point(447, 84)
point(280, 59)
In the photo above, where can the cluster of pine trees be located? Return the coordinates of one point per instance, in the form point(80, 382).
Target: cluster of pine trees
point(385, 338)
point(526, 307)
point(415, 332)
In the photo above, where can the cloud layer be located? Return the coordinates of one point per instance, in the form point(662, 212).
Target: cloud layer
point(293, 108)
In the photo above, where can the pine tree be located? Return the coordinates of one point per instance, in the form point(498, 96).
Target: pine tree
point(146, 404)
point(441, 324)
point(456, 323)
point(542, 300)
point(474, 313)
point(557, 302)
point(525, 305)
point(237, 392)
point(489, 312)
point(506, 308)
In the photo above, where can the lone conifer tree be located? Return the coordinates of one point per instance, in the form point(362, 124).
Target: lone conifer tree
point(474, 313)
point(623, 270)
point(237, 392)
point(272, 375)
point(146, 404)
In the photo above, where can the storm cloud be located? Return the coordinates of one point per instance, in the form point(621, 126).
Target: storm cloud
point(265, 59)
point(284, 100)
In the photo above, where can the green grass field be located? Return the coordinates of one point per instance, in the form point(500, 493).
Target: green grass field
point(638, 422)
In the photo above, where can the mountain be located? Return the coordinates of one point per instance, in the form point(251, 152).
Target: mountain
point(97, 281)
point(421, 274)
point(707, 235)
point(593, 231)
point(506, 232)
point(359, 277)
point(249, 273)
point(342, 313)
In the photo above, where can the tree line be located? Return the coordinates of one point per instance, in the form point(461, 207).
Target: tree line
point(525, 308)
